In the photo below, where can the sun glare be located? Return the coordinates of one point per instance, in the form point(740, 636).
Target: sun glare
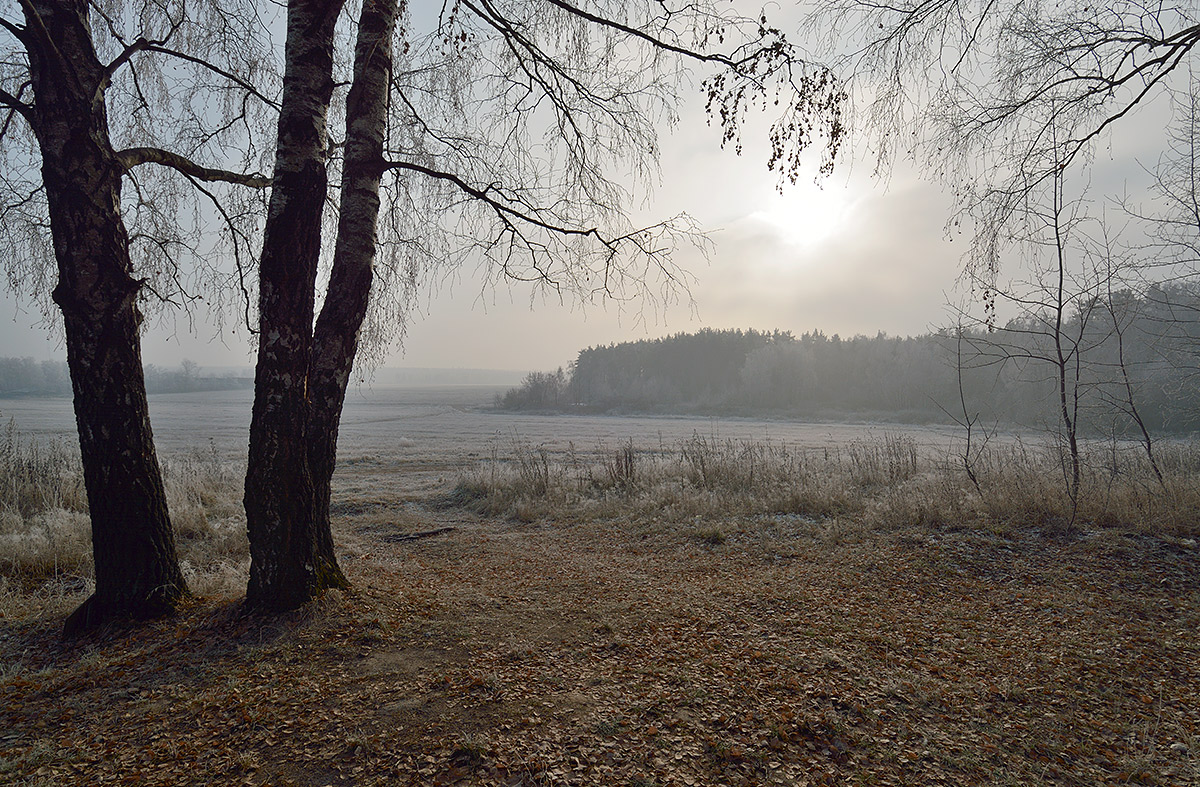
point(807, 214)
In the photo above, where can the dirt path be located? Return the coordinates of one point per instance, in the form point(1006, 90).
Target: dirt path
point(776, 651)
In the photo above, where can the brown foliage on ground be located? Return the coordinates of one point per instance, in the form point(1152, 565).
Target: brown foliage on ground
point(762, 650)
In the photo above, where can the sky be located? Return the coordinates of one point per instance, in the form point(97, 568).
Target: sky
point(851, 255)
point(847, 257)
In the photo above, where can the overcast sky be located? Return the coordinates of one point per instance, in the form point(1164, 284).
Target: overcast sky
point(853, 255)
point(849, 256)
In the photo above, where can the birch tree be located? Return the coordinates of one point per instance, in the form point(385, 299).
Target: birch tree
point(499, 138)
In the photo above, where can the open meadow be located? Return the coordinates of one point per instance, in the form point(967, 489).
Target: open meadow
point(590, 600)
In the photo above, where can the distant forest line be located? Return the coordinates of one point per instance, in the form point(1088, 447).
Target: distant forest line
point(28, 377)
point(1143, 349)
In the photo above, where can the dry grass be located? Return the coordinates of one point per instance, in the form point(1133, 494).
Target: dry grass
point(38, 476)
point(886, 483)
point(764, 650)
point(45, 533)
point(889, 483)
point(204, 495)
point(707, 613)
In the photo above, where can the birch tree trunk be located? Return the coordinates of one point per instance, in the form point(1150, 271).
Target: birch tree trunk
point(290, 563)
point(137, 571)
point(336, 340)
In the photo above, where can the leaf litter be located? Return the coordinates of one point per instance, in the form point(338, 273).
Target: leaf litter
point(619, 652)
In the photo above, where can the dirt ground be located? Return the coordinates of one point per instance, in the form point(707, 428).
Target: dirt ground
point(775, 650)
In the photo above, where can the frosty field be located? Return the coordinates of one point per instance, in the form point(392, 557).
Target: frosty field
point(448, 427)
point(581, 600)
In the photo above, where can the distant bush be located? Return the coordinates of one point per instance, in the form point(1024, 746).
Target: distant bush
point(27, 377)
point(187, 379)
point(538, 391)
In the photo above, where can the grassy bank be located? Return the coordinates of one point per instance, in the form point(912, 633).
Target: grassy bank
point(644, 652)
point(887, 483)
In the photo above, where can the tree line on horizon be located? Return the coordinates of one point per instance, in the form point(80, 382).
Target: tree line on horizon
point(998, 375)
point(30, 377)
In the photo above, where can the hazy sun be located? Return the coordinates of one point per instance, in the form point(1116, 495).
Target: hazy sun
point(807, 214)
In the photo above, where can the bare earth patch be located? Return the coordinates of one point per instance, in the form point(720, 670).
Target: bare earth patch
point(766, 650)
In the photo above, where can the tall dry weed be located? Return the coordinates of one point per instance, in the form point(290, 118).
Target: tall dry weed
point(885, 482)
point(38, 476)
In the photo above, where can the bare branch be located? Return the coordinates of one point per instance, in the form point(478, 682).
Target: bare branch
point(486, 195)
point(133, 157)
point(17, 31)
point(15, 104)
point(735, 63)
point(125, 56)
point(234, 78)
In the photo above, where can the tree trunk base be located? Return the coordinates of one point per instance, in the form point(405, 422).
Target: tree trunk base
point(95, 613)
point(280, 599)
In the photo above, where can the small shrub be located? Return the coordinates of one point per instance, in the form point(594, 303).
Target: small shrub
point(712, 536)
point(621, 468)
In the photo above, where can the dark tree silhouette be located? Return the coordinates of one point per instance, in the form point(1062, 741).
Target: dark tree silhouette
point(57, 81)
